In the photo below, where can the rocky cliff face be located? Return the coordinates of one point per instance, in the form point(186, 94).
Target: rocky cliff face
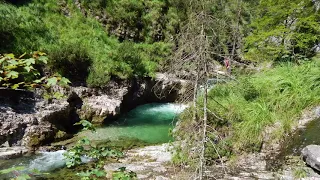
point(26, 119)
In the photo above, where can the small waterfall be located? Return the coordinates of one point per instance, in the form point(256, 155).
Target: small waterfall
point(163, 108)
point(48, 161)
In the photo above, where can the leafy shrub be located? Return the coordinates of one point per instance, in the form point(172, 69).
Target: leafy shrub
point(80, 46)
point(84, 148)
point(24, 72)
point(71, 60)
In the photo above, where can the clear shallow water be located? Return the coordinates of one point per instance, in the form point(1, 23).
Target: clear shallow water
point(303, 137)
point(148, 123)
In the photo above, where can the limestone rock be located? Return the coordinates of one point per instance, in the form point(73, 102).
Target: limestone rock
point(149, 162)
point(311, 155)
point(26, 120)
point(12, 152)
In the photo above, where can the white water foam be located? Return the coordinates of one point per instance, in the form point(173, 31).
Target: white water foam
point(49, 161)
point(168, 107)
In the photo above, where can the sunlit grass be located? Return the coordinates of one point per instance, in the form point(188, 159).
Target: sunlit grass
point(276, 95)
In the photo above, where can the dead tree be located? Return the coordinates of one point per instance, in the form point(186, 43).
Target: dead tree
point(198, 46)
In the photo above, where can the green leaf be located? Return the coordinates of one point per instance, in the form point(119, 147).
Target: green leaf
point(58, 95)
point(38, 81)
point(43, 59)
point(28, 68)
point(85, 141)
point(13, 62)
point(64, 81)
point(12, 74)
point(29, 61)
point(10, 67)
point(52, 81)
point(2, 60)
point(36, 171)
point(22, 55)
point(99, 173)
point(11, 56)
point(15, 86)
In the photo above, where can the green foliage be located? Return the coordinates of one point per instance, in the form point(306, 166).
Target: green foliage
point(252, 104)
point(146, 21)
point(123, 174)
point(84, 148)
point(92, 174)
point(23, 72)
point(283, 30)
point(70, 60)
point(88, 49)
point(20, 174)
point(258, 101)
point(300, 173)
point(10, 170)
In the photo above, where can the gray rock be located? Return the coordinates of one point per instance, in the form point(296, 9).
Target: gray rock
point(26, 120)
point(150, 162)
point(311, 155)
point(12, 152)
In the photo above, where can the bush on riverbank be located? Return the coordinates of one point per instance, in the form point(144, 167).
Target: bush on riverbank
point(97, 42)
point(274, 97)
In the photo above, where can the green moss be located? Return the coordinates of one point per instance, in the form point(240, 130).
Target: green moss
point(60, 135)
point(98, 120)
point(122, 144)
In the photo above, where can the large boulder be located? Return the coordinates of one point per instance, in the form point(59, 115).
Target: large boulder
point(311, 155)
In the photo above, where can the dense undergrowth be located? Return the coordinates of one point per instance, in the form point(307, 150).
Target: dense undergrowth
point(91, 42)
point(271, 98)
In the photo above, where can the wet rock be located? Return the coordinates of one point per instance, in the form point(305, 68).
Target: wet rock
point(311, 155)
point(12, 152)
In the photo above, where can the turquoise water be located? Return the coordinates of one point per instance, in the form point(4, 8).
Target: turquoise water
point(149, 123)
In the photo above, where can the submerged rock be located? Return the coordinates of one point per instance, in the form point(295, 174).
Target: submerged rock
point(311, 155)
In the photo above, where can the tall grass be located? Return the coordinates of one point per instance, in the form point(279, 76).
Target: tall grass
point(275, 96)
